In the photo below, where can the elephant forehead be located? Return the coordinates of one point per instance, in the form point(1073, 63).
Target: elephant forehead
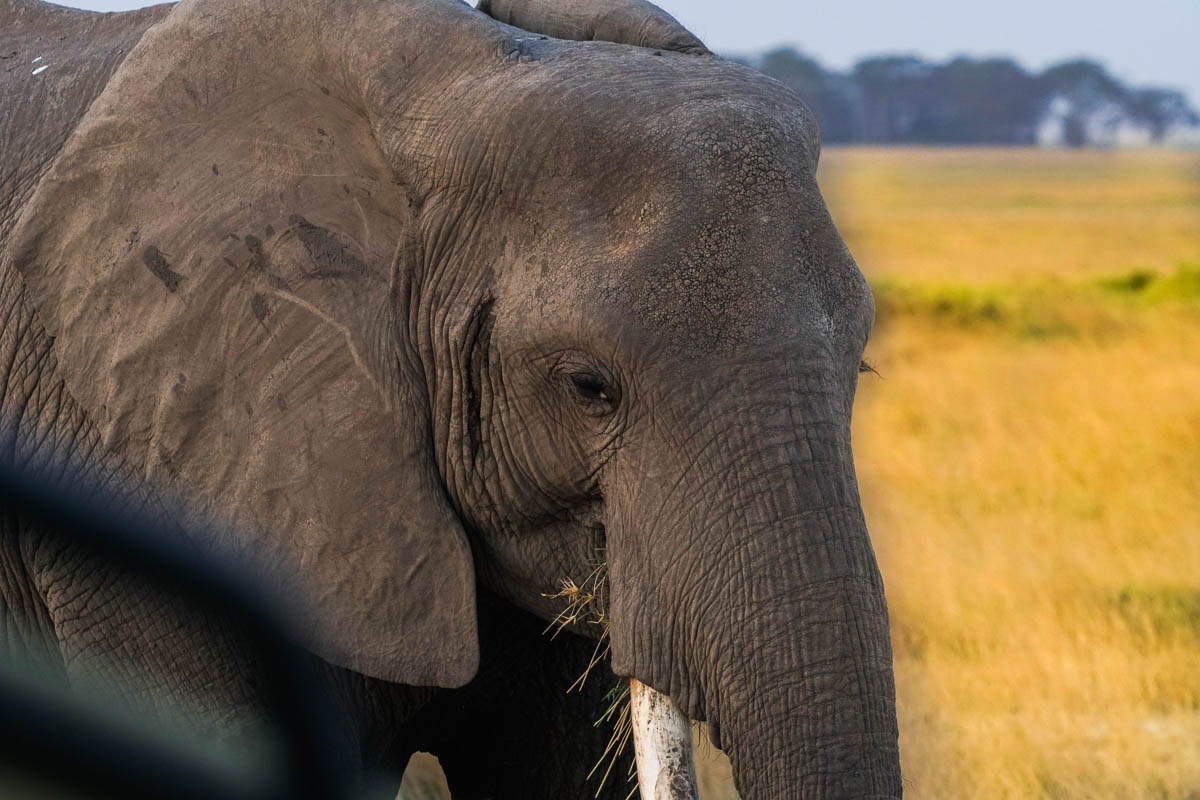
point(707, 215)
point(714, 269)
point(667, 191)
point(708, 272)
point(716, 291)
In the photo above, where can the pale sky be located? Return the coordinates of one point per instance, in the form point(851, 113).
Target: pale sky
point(1146, 42)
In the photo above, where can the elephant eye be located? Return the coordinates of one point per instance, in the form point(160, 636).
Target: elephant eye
point(593, 388)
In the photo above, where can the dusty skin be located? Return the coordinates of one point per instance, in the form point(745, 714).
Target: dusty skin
point(446, 321)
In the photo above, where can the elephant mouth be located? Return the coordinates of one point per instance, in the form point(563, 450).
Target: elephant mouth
point(585, 598)
point(661, 732)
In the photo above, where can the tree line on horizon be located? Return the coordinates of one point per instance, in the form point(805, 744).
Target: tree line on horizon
point(909, 100)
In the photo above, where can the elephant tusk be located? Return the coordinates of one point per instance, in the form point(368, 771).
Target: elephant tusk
point(662, 744)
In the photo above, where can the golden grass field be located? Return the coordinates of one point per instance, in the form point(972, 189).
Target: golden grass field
point(1030, 465)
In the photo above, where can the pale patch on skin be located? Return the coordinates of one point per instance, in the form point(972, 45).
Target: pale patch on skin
point(338, 326)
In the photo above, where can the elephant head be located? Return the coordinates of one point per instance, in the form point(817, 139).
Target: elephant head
point(415, 298)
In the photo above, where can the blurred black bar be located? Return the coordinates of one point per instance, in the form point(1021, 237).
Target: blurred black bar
point(60, 746)
point(52, 737)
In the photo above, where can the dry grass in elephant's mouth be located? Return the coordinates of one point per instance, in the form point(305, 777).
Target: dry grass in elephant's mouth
point(585, 604)
point(618, 714)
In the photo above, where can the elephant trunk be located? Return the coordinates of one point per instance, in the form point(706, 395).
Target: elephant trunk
point(799, 686)
point(814, 717)
point(766, 614)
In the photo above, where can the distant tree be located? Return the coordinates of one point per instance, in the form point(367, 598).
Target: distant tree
point(893, 90)
point(1161, 110)
point(795, 70)
point(992, 101)
point(1083, 78)
point(1096, 102)
point(832, 97)
point(1075, 132)
point(905, 99)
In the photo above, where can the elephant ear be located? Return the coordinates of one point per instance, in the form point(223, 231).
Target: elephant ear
point(222, 255)
point(635, 22)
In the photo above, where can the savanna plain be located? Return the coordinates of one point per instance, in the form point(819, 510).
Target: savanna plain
point(1029, 459)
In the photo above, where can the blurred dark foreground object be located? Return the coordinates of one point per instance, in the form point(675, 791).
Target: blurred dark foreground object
point(56, 743)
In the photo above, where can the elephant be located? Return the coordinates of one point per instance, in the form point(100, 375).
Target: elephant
point(462, 323)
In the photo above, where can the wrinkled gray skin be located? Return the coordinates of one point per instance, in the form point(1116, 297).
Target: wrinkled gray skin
point(438, 312)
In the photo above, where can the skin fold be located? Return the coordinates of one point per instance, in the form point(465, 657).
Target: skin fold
point(437, 313)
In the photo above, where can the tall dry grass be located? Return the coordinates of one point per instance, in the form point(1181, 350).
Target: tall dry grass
point(1030, 464)
point(1003, 214)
